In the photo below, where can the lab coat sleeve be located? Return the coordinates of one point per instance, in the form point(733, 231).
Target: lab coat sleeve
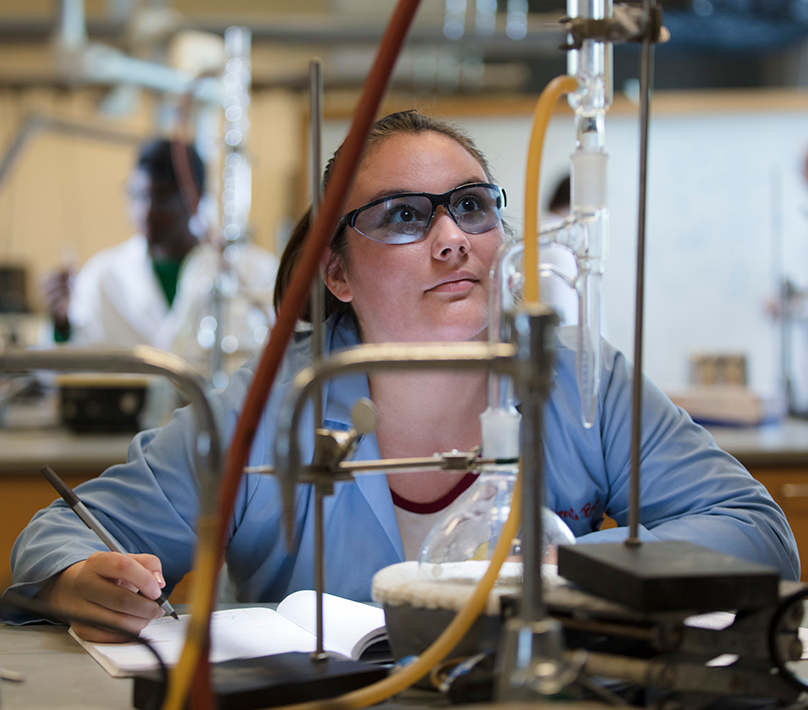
point(149, 505)
point(84, 308)
point(690, 489)
point(85, 303)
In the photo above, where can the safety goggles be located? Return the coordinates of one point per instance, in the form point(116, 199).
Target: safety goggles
point(157, 199)
point(405, 218)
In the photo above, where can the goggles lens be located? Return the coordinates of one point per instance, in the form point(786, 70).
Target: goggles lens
point(404, 219)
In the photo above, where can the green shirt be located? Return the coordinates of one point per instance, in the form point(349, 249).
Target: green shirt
point(168, 272)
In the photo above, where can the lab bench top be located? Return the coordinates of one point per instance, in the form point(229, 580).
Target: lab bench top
point(26, 450)
point(58, 673)
point(780, 445)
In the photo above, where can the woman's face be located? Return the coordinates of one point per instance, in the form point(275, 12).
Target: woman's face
point(435, 289)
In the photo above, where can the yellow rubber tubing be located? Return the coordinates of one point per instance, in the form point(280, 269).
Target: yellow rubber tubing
point(451, 636)
point(206, 565)
point(541, 118)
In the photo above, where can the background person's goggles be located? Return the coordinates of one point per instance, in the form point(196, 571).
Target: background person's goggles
point(405, 218)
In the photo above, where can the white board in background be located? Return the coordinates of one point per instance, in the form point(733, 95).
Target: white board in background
point(710, 259)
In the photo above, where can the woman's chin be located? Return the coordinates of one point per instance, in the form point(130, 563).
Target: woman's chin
point(457, 333)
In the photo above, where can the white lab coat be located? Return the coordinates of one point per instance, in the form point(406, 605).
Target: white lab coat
point(117, 300)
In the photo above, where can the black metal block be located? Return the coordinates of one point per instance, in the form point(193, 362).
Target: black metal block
point(267, 681)
point(669, 575)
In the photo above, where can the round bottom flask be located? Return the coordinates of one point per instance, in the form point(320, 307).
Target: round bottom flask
point(460, 545)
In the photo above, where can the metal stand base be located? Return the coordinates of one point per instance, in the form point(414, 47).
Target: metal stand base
point(268, 681)
point(668, 575)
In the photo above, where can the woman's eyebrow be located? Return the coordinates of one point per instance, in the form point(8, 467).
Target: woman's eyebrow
point(394, 192)
point(391, 192)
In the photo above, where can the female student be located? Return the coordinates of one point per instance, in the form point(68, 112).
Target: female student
point(402, 267)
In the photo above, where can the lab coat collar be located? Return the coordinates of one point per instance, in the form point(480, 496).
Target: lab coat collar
point(347, 389)
point(377, 493)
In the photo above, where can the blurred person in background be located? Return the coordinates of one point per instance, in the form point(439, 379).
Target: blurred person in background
point(157, 286)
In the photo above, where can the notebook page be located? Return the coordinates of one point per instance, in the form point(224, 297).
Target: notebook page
point(235, 633)
point(348, 626)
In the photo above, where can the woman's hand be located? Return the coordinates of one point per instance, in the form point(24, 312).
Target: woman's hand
point(550, 555)
point(104, 587)
point(56, 287)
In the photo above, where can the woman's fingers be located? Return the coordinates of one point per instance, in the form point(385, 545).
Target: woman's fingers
point(153, 565)
point(104, 588)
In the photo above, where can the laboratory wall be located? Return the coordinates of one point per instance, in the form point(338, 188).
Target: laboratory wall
point(727, 220)
point(727, 206)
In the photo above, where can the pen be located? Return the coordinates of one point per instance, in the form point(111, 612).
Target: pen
point(92, 522)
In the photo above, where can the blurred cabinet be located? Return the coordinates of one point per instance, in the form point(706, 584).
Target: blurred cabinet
point(22, 495)
point(23, 490)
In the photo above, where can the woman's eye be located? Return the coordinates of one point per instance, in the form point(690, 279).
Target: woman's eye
point(402, 215)
point(469, 203)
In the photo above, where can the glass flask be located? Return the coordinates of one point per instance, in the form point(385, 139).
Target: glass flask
point(471, 528)
point(229, 317)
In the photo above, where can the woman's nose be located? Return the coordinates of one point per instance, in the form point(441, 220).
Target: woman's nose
point(449, 239)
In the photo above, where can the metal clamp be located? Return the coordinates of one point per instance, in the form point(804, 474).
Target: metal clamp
point(629, 24)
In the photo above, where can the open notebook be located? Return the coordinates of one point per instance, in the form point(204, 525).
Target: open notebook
point(351, 629)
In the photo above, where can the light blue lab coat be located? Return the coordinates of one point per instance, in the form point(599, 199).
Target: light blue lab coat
point(691, 490)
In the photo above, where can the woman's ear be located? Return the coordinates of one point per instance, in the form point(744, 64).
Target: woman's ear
point(335, 277)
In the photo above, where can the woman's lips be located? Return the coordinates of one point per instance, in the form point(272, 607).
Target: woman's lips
point(456, 283)
point(460, 286)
